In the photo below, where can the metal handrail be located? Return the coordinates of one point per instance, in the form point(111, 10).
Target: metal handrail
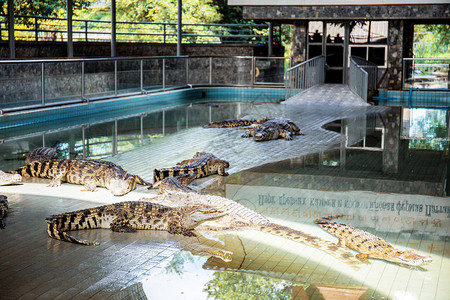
point(304, 76)
point(68, 81)
point(41, 29)
point(358, 79)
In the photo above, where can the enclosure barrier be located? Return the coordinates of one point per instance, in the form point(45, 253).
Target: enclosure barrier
point(35, 28)
point(358, 79)
point(304, 75)
point(426, 73)
point(26, 84)
point(429, 98)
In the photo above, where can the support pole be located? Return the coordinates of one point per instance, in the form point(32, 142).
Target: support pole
point(69, 29)
point(11, 37)
point(179, 24)
point(270, 42)
point(113, 28)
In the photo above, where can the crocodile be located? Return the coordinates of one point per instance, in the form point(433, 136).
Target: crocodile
point(171, 184)
point(369, 245)
point(201, 165)
point(88, 172)
point(8, 178)
point(272, 130)
point(235, 123)
point(240, 217)
point(129, 217)
point(41, 154)
point(3, 210)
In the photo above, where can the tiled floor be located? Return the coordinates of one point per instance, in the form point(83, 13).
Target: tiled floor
point(149, 264)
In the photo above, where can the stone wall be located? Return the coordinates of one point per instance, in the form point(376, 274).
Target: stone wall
point(91, 49)
point(354, 12)
point(299, 39)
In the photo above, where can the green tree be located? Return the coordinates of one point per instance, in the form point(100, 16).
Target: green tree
point(41, 8)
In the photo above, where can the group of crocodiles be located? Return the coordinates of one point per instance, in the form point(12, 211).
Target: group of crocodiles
point(189, 211)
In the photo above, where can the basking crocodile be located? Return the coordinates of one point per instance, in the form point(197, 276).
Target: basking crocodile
point(3, 210)
point(129, 217)
point(201, 165)
point(369, 245)
point(8, 178)
point(174, 184)
point(240, 217)
point(41, 154)
point(89, 172)
point(235, 123)
point(272, 130)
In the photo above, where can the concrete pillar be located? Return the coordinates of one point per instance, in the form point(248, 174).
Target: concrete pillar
point(11, 37)
point(69, 29)
point(113, 28)
point(298, 44)
point(179, 24)
point(395, 53)
point(392, 142)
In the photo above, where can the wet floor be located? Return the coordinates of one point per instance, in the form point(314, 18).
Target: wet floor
point(369, 164)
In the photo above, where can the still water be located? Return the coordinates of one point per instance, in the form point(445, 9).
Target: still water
point(386, 172)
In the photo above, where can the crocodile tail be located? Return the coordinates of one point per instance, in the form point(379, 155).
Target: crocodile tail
point(313, 241)
point(141, 181)
point(57, 225)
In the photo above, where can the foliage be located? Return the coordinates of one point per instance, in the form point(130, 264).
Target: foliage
point(41, 8)
point(432, 41)
point(237, 285)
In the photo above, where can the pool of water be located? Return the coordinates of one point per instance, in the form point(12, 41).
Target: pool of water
point(385, 170)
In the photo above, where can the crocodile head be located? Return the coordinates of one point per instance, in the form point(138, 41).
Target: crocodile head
point(265, 134)
point(7, 178)
point(194, 215)
point(411, 258)
point(120, 185)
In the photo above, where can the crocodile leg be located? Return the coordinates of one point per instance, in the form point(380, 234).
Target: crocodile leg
point(285, 135)
point(221, 170)
point(121, 224)
point(363, 257)
point(90, 185)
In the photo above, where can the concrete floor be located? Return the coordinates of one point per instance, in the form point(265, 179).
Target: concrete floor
point(127, 266)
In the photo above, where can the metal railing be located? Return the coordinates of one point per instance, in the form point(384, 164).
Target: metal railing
point(26, 84)
point(429, 73)
point(34, 28)
point(358, 79)
point(304, 75)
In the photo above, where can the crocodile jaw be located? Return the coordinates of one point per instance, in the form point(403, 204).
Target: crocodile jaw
point(411, 258)
point(13, 178)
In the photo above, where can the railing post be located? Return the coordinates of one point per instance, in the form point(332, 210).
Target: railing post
point(164, 73)
point(36, 32)
point(164, 32)
point(83, 91)
point(142, 76)
point(187, 71)
point(42, 84)
point(86, 30)
point(210, 70)
point(115, 77)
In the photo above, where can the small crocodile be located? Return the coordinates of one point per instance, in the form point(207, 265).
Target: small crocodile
point(41, 154)
point(3, 210)
point(88, 172)
point(129, 217)
point(8, 178)
point(369, 245)
point(235, 123)
point(201, 165)
point(272, 130)
point(240, 217)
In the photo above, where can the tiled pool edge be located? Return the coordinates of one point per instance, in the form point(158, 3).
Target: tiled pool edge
point(135, 104)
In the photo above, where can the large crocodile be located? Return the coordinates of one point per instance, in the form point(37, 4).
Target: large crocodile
point(201, 165)
point(241, 217)
point(129, 217)
point(8, 178)
point(369, 245)
point(88, 172)
point(3, 210)
point(235, 123)
point(272, 130)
